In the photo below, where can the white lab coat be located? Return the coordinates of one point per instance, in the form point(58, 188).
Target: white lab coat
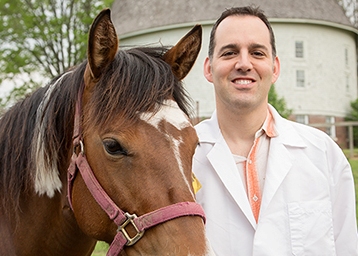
point(308, 201)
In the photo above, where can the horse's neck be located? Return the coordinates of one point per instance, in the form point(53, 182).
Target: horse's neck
point(66, 237)
point(49, 227)
point(6, 243)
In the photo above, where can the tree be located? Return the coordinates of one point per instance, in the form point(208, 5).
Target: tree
point(278, 103)
point(44, 37)
point(350, 8)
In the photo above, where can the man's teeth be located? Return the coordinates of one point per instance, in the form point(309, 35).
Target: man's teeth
point(243, 81)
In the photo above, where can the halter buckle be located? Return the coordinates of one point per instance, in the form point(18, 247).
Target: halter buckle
point(121, 228)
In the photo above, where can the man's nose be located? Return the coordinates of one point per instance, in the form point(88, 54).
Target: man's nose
point(243, 62)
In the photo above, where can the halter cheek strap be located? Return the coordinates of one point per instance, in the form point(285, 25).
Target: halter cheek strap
point(120, 218)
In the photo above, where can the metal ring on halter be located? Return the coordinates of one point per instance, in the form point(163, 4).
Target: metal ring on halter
point(129, 220)
point(82, 147)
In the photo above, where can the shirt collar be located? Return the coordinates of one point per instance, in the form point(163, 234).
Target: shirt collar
point(268, 127)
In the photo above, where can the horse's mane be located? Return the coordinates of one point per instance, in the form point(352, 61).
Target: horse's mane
point(29, 132)
point(36, 133)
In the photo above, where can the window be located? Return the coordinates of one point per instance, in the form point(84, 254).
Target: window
point(348, 69)
point(299, 49)
point(347, 83)
point(300, 78)
point(303, 119)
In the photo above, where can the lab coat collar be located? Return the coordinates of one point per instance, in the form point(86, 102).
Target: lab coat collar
point(209, 131)
point(278, 165)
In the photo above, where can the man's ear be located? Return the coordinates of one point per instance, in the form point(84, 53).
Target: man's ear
point(207, 70)
point(276, 70)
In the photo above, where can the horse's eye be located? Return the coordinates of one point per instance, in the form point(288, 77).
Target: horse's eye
point(113, 147)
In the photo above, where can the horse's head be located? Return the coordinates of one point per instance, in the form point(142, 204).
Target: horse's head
point(139, 143)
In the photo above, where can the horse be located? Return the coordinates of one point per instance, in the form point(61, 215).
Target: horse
point(104, 152)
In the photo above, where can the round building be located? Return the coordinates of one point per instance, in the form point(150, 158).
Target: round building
point(315, 42)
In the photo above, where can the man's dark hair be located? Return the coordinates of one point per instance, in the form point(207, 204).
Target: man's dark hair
point(242, 11)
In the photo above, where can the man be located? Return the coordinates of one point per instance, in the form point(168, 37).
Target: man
point(269, 186)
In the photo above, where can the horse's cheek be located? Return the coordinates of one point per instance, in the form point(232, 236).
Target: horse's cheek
point(87, 213)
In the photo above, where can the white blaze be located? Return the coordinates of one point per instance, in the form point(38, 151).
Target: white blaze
point(171, 113)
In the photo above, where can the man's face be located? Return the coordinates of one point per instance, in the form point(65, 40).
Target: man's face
point(242, 67)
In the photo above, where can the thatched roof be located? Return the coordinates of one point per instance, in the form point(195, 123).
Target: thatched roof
point(136, 15)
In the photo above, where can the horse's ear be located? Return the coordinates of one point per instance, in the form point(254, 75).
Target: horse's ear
point(182, 56)
point(102, 45)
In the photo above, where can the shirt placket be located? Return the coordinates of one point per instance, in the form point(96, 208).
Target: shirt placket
point(252, 181)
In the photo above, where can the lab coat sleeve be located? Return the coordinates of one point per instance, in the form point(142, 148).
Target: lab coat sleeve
point(343, 203)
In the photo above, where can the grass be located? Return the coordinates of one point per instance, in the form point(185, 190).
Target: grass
point(354, 164)
point(101, 247)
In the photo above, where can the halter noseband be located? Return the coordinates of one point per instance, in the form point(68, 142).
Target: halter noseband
point(121, 219)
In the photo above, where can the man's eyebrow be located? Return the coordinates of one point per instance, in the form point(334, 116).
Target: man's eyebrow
point(228, 47)
point(258, 46)
point(235, 46)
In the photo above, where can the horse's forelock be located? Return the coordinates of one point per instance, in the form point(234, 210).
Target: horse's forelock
point(136, 82)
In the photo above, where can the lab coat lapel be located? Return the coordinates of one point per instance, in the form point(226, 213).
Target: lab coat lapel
point(223, 163)
point(278, 166)
point(280, 161)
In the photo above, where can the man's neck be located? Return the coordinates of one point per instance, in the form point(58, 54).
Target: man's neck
point(239, 128)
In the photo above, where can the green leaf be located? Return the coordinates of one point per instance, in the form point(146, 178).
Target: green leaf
point(43, 36)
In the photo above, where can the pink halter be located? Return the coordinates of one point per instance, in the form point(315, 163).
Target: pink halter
point(122, 219)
